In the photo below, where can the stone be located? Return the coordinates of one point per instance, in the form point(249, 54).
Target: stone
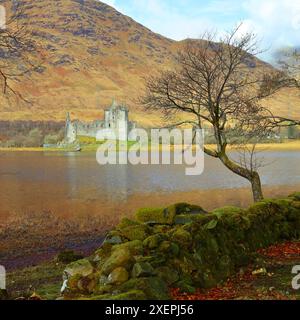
point(182, 219)
point(142, 269)
point(154, 241)
point(155, 260)
point(119, 258)
point(87, 284)
point(114, 240)
point(81, 284)
point(154, 288)
point(182, 236)
point(81, 267)
point(134, 247)
point(137, 232)
point(170, 276)
point(185, 208)
point(296, 204)
point(295, 195)
point(103, 280)
point(117, 276)
point(125, 222)
point(201, 253)
point(166, 215)
point(227, 210)
point(169, 248)
point(155, 216)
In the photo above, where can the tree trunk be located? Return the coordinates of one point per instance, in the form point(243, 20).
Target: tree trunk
point(252, 177)
point(256, 187)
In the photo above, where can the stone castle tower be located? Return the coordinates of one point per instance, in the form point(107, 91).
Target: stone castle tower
point(116, 121)
point(70, 131)
point(116, 124)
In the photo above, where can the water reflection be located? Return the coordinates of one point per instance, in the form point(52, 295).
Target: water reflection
point(74, 182)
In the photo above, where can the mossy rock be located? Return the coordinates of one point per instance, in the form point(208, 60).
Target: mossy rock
point(156, 216)
point(187, 218)
point(166, 215)
point(184, 264)
point(201, 251)
point(134, 247)
point(182, 237)
point(154, 288)
point(125, 222)
point(170, 276)
point(88, 284)
point(136, 232)
point(295, 195)
point(142, 269)
point(120, 257)
point(113, 237)
point(118, 276)
point(161, 228)
point(83, 285)
point(102, 253)
point(208, 280)
point(296, 204)
point(155, 260)
point(154, 241)
point(265, 208)
point(169, 248)
point(81, 267)
point(228, 210)
point(224, 268)
point(104, 289)
point(185, 208)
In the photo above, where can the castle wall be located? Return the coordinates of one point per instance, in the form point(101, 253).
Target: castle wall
point(71, 134)
point(115, 124)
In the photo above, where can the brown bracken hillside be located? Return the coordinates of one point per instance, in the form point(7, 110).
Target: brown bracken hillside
point(96, 54)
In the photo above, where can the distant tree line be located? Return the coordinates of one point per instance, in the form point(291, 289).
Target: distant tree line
point(30, 133)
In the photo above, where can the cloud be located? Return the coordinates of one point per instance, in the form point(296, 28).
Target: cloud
point(276, 22)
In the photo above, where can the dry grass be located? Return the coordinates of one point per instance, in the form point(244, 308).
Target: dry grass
point(23, 236)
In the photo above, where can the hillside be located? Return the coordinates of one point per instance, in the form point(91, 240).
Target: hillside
point(94, 54)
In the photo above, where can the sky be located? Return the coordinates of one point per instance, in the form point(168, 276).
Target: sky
point(276, 22)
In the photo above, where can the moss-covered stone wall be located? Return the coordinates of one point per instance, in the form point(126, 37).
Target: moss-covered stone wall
point(180, 246)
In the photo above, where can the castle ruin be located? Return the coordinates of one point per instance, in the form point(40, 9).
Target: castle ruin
point(116, 125)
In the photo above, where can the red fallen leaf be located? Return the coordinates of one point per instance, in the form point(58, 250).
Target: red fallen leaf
point(239, 285)
point(281, 251)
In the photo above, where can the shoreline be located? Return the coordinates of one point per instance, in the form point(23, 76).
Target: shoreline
point(286, 146)
point(91, 239)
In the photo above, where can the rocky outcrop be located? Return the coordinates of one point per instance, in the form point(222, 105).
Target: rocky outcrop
point(181, 246)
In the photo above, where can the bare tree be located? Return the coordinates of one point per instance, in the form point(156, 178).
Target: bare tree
point(212, 86)
point(20, 55)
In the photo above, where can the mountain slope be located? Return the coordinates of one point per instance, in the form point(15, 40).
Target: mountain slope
point(94, 54)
